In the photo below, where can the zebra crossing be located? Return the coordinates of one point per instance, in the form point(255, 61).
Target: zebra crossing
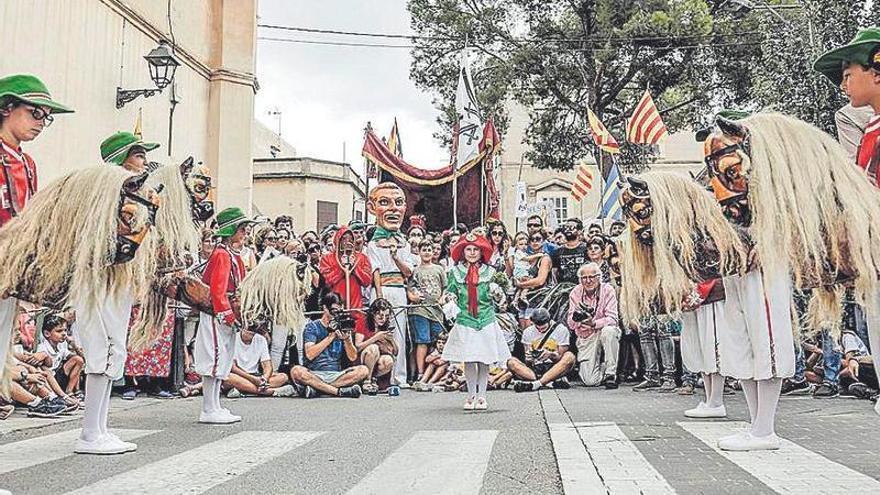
point(591, 457)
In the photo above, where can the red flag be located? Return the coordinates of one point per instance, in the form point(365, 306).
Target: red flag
point(583, 182)
point(604, 140)
point(646, 126)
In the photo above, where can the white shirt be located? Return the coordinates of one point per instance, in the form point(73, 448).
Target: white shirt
point(380, 258)
point(249, 356)
point(531, 337)
point(58, 355)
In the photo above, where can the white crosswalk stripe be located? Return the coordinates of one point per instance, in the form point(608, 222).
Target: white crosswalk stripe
point(47, 448)
point(791, 469)
point(199, 469)
point(465, 453)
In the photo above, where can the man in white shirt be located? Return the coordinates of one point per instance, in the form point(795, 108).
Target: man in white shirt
point(252, 371)
point(548, 359)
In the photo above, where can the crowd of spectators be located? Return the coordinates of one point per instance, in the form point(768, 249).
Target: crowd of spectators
point(555, 295)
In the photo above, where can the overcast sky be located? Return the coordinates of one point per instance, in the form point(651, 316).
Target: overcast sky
point(326, 94)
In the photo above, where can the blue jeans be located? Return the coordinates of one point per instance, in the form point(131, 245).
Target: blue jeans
point(425, 331)
point(831, 358)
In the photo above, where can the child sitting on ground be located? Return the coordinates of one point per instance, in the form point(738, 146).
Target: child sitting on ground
point(435, 367)
point(65, 364)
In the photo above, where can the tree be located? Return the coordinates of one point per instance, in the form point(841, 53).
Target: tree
point(559, 57)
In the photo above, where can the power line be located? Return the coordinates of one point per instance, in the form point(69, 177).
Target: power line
point(594, 49)
point(414, 37)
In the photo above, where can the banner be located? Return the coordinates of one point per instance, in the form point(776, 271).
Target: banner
point(470, 123)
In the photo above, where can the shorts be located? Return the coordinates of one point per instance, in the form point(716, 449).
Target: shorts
point(425, 331)
point(328, 376)
point(61, 377)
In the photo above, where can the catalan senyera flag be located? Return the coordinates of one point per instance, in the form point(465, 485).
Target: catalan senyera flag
point(394, 143)
point(583, 182)
point(646, 126)
point(604, 140)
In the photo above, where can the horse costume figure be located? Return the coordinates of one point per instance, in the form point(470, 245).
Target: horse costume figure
point(81, 242)
point(811, 213)
point(679, 245)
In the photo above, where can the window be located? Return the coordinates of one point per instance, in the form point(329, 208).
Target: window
point(327, 214)
point(560, 207)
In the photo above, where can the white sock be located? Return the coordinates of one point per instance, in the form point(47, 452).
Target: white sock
point(96, 387)
point(482, 379)
point(217, 390)
point(105, 406)
point(470, 376)
point(768, 397)
point(208, 394)
point(715, 395)
point(750, 390)
point(35, 402)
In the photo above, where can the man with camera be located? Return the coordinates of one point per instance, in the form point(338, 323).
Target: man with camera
point(592, 315)
point(347, 272)
point(547, 357)
point(326, 342)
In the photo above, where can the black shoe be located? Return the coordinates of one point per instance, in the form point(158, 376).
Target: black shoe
point(45, 409)
point(790, 387)
point(646, 385)
point(826, 391)
point(610, 382)
point(667, 387)
point(522, 386)
point(861, 391)
point(305, 391)
point(58, 401)
point(352, 392)
point(562, 384)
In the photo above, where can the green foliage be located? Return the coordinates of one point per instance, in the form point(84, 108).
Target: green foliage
point(556, 58)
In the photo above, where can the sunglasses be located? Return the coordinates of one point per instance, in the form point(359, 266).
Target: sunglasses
point(314, 249)
point(497, 232)
point(271, 239)
point(39, 114)
point(536, 225)
point(536, 239)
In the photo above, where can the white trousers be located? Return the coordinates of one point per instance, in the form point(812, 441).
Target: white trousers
point(397, 297)
point(279, 341)
point(700, 329)
point(759, 343)
point(214, 347)
point(102, 331)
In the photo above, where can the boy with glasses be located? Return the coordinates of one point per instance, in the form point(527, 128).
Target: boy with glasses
point(25, 110)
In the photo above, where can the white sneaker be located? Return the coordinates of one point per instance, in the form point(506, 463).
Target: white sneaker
point(748, 442)
point(285, 391)
point(103, 445)
point(233, 393)
point(704, 411)
point(481, 404)
point(218, 417)
point(5, 492)
point(129, 447)
point(469, 405)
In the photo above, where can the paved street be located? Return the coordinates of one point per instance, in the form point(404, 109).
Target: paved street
point(575, 441)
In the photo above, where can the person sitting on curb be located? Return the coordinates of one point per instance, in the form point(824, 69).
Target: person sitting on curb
point(252, 369)
point(325, 342)
point(377, 347)
point(547, 358)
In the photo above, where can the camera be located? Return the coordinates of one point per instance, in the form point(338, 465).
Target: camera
point(583, 313)
point(342, 320)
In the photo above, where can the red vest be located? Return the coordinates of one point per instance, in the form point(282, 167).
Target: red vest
point(869, 151)
point(223, 274)
point(18, 181)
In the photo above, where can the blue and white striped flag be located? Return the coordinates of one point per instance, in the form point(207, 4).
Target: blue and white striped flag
point(611, 194)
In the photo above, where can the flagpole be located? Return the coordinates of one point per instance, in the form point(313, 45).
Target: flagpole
point(601, 188)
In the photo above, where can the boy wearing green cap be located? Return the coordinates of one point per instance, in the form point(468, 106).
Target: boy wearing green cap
point(215, 338)
point(26, 109)
point(127, 150)
point(855, 67)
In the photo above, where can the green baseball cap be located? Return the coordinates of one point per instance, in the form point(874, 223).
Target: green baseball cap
point(30, 90)
point(864, 50)
point(115, 148)
point(228, 221)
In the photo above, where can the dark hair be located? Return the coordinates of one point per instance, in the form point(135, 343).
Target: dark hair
point(414, 227)
point(376, 306)
point(309, 232)
point(537, 217)
point(284, 218)
point(52, 321)
point(330, 299)
point(423, 243)
point(576, 221)
point(8, 103)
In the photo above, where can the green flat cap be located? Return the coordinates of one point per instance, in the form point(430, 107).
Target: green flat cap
point(864, 50)
point(115, 148)
point(30, 90)
point(228, 221)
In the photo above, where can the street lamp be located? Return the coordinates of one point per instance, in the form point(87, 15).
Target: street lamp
point(162, 64)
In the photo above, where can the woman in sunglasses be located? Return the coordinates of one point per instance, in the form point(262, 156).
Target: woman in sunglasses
point(26, 109)
point(497, 236)
point(538, 276)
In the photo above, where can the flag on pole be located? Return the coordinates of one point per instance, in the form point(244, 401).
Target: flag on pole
point(469, 130)
point(604, 140)
point(646, 126)
point(611, 195)
point(394, 143)
point(583, 182)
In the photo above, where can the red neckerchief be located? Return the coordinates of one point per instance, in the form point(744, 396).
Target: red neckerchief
point(472, 279)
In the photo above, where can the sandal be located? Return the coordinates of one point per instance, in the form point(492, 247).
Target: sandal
point(6, 411)
point(371, 388)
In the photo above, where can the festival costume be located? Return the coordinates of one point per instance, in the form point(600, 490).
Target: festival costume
point(393, 288)
point(476, 339)
point(360, 275)
point(215, 338)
